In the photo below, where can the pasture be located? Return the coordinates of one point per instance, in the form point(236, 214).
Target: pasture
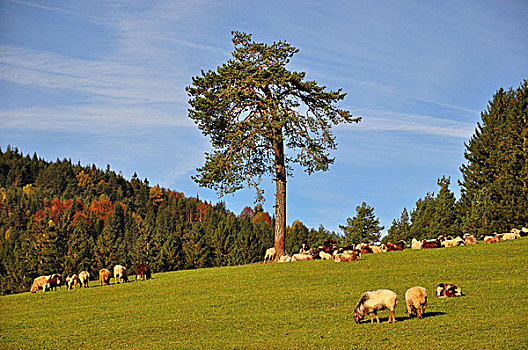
point(290, 306)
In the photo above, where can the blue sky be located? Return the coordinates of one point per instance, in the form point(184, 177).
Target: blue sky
point(103, 83)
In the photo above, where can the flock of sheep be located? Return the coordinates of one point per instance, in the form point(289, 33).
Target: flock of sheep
point(416, 297)
point(329, 250)
point(53, 281)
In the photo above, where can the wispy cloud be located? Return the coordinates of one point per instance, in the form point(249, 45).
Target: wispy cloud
point(397, 121)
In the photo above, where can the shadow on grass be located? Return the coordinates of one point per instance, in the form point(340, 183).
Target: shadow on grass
point(403, 318)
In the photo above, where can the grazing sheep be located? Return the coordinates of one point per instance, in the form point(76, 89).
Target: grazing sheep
point(104, 277)
point(54, 281)
point(120, 273)
point(285, 258)
point(41, 282)
point(84, 277)
point(469, 239)
point(301, 257)
point(415, 244)
point(270, 254)
point(72, 281)
point(143, 271)
point(416, 300)
point(448, 290)
point(345, 257)
point(371, 302)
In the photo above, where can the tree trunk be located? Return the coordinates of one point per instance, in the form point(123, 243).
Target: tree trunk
point(280, 198)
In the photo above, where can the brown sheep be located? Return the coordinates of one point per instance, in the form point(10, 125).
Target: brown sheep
point(416, 300)
point(104, 277)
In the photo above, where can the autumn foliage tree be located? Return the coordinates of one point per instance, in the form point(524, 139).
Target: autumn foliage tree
point(253, 108)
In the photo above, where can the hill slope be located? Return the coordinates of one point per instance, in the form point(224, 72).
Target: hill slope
point(296, 305)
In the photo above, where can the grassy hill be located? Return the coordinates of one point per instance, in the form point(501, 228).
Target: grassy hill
point(288, 306)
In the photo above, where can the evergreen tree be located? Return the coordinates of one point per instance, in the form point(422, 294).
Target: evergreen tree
point(400, 229)
point(362, 228)
point(494, 187)
point(251, 107)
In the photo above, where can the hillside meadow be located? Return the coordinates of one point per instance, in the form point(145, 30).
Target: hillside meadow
point(290, 306)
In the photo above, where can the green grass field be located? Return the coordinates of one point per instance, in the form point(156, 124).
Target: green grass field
point(290, 306)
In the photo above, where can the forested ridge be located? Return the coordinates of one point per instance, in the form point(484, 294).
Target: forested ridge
point(64, 217)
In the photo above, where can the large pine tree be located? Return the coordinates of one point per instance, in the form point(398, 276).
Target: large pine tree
point(254, 110)
point(494, 186)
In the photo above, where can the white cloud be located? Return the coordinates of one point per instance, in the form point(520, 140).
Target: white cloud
point(397, 121)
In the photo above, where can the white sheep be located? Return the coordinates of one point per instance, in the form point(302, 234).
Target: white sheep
point(84, 277)
point(325, 256)
point(285, 258)
point(371, 302)
point(301, 257)
point(511, 235)
point(416, 300)
point(415, 244)
point(270, 254)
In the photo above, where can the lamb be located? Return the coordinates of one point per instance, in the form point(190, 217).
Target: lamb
point(270, 254)
point(84, 277)
point(371, 302)
point(416, 300)
point(448, 290)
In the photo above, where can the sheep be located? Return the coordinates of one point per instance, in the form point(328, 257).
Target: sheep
point(324, 256)
point(285, 258)
point(84, 277)
point(371, 302)
point(469, 239)
point(120, 272)
point(375, 249)
point(492, 239)
point(345, 257)
point(524, 232)
point(416, 300)
point(454, 242)
point(270, 255)
point(448, 290)
point(104, 277)
point(510, 235)
point(72, 281)
point(301, 257)
point(431, 243)
point(415, 244)
point(41, 282)
point(54, 281)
